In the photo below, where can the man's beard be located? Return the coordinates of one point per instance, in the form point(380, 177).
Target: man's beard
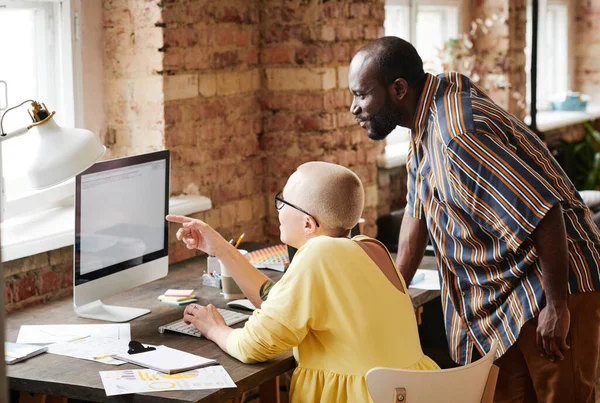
point(382, 124)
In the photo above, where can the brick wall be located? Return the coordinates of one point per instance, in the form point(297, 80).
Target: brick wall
point(502, 48)
point(392, 190)
point(213, 119)
point(134, 88)
point(306, 47)
point(587, 47)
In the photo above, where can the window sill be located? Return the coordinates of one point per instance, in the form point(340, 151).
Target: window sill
point(394, 155)
point(54, 228)
point(551, 120)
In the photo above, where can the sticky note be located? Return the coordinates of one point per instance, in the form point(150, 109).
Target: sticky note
point(178, 293)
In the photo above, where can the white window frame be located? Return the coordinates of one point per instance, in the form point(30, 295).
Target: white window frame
point(62, 42)
point(397, 142)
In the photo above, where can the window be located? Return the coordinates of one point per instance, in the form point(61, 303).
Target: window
point(553, 51)
point(36, 64)
point(427, 24)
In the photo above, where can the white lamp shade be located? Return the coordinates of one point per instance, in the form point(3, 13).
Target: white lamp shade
point(59, 154)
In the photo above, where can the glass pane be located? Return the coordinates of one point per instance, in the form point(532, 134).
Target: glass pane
point(19, 71)
point(397, 21)
point(552, 73)
point(435, 25)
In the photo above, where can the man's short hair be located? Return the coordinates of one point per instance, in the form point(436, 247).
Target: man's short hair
point(396, 58)
point(332, 193)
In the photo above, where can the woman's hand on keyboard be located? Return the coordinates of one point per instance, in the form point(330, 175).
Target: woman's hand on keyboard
point(204, 318)
point(196, 234)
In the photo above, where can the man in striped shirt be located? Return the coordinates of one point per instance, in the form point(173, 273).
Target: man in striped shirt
point(517, 251)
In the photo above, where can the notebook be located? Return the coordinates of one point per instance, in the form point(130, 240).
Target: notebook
point(274, 258)
point(167, 360)
point(15, 352)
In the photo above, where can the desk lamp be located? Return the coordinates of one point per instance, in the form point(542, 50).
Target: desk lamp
point(57, 154)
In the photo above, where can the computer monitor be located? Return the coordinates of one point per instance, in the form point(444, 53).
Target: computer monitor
point(121, 235)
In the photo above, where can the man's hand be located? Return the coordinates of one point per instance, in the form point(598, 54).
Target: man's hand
point(196, 234)
point(553, 326)
point(204, 318)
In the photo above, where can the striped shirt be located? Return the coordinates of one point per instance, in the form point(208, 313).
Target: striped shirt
point(483, 181)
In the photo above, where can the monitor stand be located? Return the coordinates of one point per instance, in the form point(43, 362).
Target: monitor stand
point(97, 310)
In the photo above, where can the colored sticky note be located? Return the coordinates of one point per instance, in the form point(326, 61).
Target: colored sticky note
point(178, 293)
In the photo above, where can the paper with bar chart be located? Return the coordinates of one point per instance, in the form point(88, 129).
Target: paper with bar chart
point(147, 380)
point(98, 349)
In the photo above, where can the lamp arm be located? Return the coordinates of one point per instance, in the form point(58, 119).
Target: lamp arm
point(15, 133)
point(10, 109)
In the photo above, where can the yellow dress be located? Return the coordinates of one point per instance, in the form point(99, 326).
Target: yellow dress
point(341, 316)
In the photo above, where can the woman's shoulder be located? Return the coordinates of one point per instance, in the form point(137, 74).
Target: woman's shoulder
point(327, 244)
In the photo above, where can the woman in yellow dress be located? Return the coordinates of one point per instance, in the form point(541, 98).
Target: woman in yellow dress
point(342, 305)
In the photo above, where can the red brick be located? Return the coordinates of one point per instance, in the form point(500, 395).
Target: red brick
point(327, 33)
point(370, 32)
point(343, 33)
point(335, 11)
point(196, 59)
point(228, 58)
point(345, 119)
point(314, 122)
point(65, 273)
point(172, 114)
point(277, 141)
point(225, 36)
point(341, 52)
point(276, 55)
point(336, 99)
point(9, 293)
point(359, 11)
point(48, 282)
point(278, 122)
point(249, 56)
point(24, 288)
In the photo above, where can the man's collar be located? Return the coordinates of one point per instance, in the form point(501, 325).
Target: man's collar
point(422, 111)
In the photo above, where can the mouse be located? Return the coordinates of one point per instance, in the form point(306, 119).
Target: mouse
point(241, 304)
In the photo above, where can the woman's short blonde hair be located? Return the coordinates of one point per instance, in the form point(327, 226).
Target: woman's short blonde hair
point(333, 194)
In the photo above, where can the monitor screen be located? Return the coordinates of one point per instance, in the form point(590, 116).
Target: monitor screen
point(120, 215)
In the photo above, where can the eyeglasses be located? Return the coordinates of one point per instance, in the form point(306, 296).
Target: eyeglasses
point(279, 203)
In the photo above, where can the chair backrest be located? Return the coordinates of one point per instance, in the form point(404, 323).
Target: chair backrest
point(465, 384)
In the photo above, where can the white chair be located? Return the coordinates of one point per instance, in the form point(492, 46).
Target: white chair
point(473, 383)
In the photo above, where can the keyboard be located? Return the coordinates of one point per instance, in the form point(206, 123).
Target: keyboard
point(179, 326)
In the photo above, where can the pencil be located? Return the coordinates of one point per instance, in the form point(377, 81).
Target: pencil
point(239, 240)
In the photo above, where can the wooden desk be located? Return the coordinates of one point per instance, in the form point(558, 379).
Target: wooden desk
point(79, 379)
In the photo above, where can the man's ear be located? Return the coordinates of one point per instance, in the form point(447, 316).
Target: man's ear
point(398, 89)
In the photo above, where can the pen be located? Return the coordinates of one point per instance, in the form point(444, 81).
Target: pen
point(103, 357)
point(77, 339)
point(239, 240)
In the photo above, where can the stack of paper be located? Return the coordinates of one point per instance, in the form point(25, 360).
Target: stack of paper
point(89, 342)
point(167, 360)
point(426, 280)
point(178, 297)
point(274, 258)
point(14, 352)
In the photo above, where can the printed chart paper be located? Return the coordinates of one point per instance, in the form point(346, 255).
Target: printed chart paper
point(98, 349)
point(147, 380)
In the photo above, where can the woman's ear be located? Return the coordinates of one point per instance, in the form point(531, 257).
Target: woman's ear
point(310, 225)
